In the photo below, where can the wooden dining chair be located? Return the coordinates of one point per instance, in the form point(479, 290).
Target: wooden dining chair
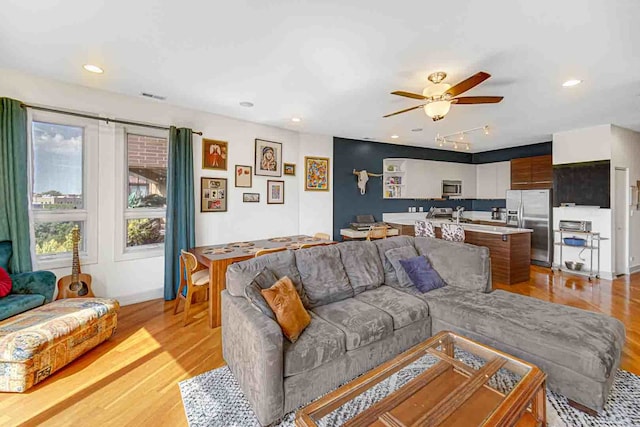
point(268, 251)
point(323, 236)
point(194, 281)
point(310, 245)
point(377, 232)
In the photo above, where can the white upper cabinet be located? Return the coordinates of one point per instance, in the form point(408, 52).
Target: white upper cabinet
point(422, 179)
point(493, 180)
point(503, 173)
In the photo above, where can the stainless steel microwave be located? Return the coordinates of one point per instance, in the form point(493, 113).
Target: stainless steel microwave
point(451, 188)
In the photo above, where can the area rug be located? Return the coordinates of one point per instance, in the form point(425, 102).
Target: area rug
point(215, 399)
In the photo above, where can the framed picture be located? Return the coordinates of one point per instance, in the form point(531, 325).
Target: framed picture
point(213, 194)
point(251, 197)
point(316, 174)
point(268, 161)
point(243, 176)
point(214, 154)
point(289, 169)
point(275, 192)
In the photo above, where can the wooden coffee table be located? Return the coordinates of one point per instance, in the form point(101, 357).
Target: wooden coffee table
point(449, 393)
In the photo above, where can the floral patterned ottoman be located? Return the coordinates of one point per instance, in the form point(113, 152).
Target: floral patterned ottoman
point(37, 343)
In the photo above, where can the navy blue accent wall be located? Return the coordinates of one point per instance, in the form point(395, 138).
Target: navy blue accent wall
point(486, 205)
point(505, 154)
point(349, 154)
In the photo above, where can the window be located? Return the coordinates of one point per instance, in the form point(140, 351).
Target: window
point(144, 198)
point(61, 179)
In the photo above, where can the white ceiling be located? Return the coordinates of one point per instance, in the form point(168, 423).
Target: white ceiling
point(333, 62)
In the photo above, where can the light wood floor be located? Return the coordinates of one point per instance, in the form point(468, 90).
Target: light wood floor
point(133, 378)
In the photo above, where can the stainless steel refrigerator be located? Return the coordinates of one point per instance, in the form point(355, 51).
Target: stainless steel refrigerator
point(533, 209)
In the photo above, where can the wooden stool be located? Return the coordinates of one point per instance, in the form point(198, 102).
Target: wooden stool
point(194, 281)
point(452, 232)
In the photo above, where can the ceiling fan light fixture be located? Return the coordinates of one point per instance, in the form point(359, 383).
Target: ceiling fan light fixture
point(437, 110)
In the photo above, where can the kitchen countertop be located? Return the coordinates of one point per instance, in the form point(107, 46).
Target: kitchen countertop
point(407, 218)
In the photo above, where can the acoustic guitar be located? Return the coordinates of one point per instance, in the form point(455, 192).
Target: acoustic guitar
point(77, 284)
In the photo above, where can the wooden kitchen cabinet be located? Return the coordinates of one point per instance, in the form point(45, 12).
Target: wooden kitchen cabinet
point(532, 173)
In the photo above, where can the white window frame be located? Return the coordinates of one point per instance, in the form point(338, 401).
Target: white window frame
point(123, 212)
point(89, 214)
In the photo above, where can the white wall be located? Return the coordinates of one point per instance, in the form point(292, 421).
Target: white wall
point(626, 154)
point(316, 207)
point(138, 280)
point(586, 145)
point(582, 145)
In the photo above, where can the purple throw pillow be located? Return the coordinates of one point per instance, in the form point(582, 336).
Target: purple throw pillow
point(422, 274)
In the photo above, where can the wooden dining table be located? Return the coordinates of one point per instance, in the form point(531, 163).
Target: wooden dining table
point(217, 258)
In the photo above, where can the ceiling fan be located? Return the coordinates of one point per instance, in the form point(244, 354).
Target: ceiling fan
point(439, 96)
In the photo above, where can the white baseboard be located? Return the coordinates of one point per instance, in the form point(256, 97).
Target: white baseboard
point(634, 269)
point(140, 297)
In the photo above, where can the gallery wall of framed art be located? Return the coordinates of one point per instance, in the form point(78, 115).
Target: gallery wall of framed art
point(316, 173)
point(243, 176)
point(213, 194)
point(214, 154)
point(275, 192)
point(268, 158)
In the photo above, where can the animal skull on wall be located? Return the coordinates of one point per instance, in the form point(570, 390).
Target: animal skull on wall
point(363, 177)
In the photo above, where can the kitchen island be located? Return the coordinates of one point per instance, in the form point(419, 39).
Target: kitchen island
point(509, 247)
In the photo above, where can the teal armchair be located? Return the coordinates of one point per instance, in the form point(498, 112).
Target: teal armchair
point(29, 290)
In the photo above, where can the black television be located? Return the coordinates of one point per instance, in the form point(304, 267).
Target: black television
point(582, 184)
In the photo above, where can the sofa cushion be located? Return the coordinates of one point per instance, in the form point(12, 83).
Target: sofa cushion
point(323, 277)
point(14, 304)
point(263, 280)
point(361, 323)
point(362, 265)
point(287, 306)
point(404, 309)
point(461, 265)
point(422, 274)
point(585, 342)
point(282, 264)
point(5, 254)
point(395, 256)
point(319, 343)
point(383, 246)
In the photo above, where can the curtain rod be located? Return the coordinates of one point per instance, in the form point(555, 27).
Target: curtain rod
point(106, 119)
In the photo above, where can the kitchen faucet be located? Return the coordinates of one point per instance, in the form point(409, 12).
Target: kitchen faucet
point(459, 210)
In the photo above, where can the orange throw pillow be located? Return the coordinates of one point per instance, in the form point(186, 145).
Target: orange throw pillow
point(287, 306)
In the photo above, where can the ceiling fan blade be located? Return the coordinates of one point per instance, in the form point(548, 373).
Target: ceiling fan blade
point(408, 94)
point(477, 100)
point(404, 111)
point(469, 83)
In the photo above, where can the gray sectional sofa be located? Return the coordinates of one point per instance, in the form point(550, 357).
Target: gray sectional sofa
point(362, 316)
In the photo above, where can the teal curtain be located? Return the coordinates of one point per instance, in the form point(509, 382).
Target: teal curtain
point(14, 191)
point(180, 229)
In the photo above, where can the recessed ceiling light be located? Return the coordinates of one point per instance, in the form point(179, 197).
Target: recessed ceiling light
point(93, 68)
point(246, 104)
point(416, 130)
point(571, 83)
point(296, 119)
point(394, 137)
